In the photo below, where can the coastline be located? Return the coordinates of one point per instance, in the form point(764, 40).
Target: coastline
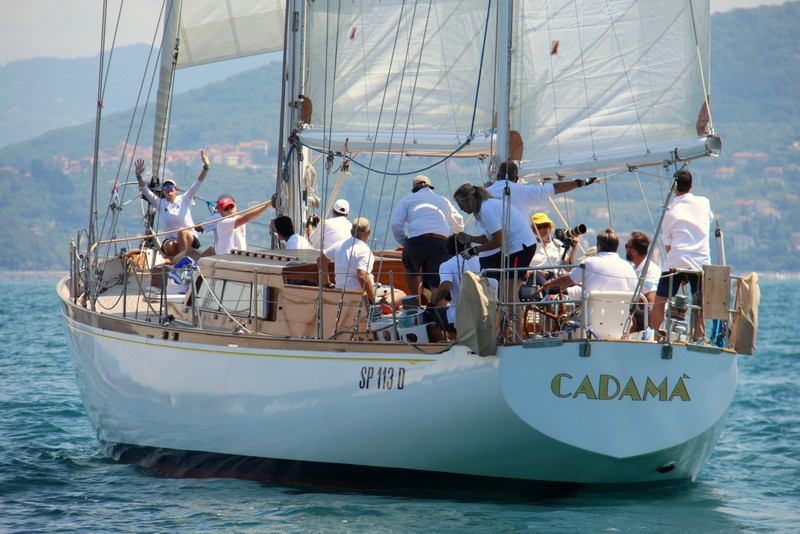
point(57, 275)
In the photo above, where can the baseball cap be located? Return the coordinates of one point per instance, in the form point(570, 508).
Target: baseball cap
point(225, 203)
point(360, 226)
point(420, 181)
point(341, 206)
point(168, 181)
point(541, 218)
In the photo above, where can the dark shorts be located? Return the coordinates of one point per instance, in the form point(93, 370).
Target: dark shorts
point(517, 259)
point(425, 253)
point(677, 279)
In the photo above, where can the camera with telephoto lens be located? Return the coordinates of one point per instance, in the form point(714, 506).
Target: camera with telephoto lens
point(564, 234)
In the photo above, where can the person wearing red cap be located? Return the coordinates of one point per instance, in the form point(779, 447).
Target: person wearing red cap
point(174, 210)
point(231, 232)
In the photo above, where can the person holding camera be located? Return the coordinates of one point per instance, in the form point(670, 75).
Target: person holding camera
point(553, 251)
point(332, 230)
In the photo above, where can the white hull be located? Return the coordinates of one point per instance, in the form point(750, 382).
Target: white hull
point(516, 415)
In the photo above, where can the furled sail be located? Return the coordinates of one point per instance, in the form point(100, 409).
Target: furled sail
point(400, 76)
point(599, 85)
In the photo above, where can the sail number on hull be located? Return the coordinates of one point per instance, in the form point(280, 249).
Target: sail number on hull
point(382, 378)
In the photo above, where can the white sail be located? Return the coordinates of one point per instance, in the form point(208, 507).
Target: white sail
point(198, 32)
point(404, 75)
point(604, 84)
point(214, 30)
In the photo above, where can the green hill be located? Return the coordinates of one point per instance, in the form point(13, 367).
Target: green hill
point(755, 107)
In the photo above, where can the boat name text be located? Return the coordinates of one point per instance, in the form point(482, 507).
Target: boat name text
point(382, 378)
point(608, 387)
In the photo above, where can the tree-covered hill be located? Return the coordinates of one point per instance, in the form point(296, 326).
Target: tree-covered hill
point(755, 107)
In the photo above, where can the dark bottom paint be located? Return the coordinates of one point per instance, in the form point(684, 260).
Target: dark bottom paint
point(329, 476)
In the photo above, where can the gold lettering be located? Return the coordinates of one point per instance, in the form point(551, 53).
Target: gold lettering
point(604, 380)
point(680, 391)
point(630, 391)
point(651, 389)
point(586, 389)
point(555, 385)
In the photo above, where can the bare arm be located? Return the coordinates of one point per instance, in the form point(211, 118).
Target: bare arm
point(206, 163)
point(366, 282)
point(441, 292)
point(252, 215)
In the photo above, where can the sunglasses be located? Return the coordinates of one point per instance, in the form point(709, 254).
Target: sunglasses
point(168, 187)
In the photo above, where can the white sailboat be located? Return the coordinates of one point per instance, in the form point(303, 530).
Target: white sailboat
point(253, 375)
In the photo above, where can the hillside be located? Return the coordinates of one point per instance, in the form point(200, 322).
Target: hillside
point(755, 107)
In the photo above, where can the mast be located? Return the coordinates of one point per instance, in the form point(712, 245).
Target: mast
point(165, 78)
point(92, 231)
point(504, 78)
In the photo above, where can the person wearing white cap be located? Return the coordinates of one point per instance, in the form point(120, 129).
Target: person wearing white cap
point(173, 209)
point(421, 223)
point(334, 229)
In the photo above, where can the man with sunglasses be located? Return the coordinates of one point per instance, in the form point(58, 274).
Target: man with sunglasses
point(174, 210)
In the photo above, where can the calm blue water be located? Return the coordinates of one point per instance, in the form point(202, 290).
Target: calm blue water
point(54, 479)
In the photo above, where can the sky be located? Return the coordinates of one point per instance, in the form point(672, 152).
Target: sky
point(71, 28)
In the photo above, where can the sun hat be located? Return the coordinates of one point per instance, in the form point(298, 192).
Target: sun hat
point(541, 218)
point(341, 206)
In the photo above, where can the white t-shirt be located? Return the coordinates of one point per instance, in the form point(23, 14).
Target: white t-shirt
point(605, 272)
point(490, 218)
point(548, 255)
point(451, 271)
point(297, 242)
point(685, 230)
point(522, 196)
point(229, 238)
point(424, 212)
point(350, 255)
point(652, 278)
point(173, 215)
point(336, 229)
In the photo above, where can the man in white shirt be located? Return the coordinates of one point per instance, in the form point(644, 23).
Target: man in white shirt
point(685, 233)
point(636, 252)
point(353, 260)
point(284, 227)
point(334, 229)
point(421, 223)
point(605, 271)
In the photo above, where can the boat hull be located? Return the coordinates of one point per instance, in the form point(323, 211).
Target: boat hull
point(515, 416)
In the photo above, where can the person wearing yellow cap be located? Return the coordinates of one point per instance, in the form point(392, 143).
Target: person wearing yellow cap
point(549, 250)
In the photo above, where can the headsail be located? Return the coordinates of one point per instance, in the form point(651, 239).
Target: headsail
point(199, 32)
point(599, 85)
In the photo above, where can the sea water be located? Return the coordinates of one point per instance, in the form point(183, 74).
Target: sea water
point(53, 477)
